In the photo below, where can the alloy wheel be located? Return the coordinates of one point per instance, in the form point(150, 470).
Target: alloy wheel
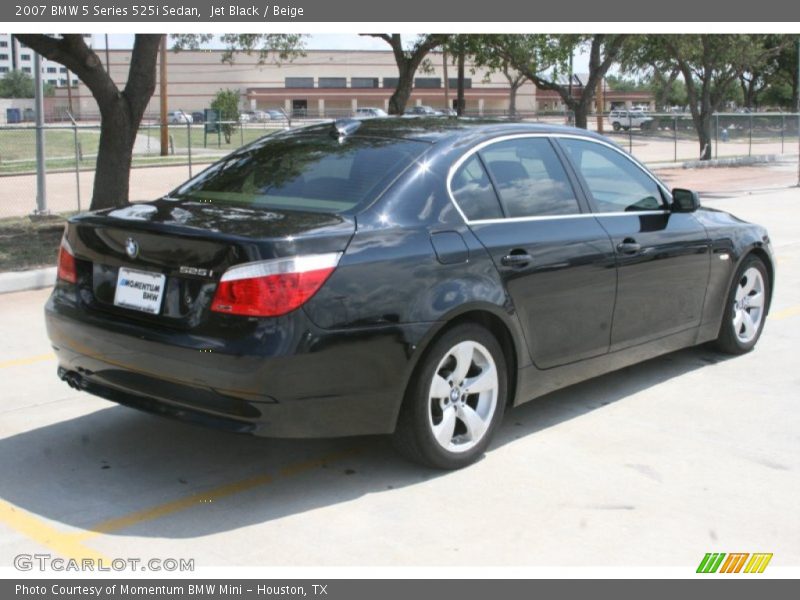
point(748, 305)
point(463, 397)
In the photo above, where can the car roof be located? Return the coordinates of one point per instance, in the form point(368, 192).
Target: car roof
point(440, 129)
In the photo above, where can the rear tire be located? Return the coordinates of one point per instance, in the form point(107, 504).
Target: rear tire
point(615, 126)
point(455, 400)
point(745, 308)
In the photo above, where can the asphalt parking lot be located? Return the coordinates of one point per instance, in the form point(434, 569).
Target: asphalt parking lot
point(654, 465)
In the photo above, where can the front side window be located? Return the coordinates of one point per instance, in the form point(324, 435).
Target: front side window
point(615, 182)
point(530, 178)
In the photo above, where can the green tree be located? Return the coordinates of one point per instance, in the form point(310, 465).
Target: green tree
point(273, 48)
point(226, 103)
point(121, 110)
point(758, 78)
point(484, 54)
point(544, 60)
point(780, 83)
point(18, 84)
point(408, 60)
point(667, 89)
point(711, 65)
point(621, 83)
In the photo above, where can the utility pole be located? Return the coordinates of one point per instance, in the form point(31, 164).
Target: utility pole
point(460, 91)
point(446, 81)
point(601, 105)
point(108, 62)
point(162, 91)
point(571, 53)
point(41, 184)
point(797, 108)
point(69, 93)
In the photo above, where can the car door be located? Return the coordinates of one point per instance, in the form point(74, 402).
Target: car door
point(663, 257)
point(555, 260)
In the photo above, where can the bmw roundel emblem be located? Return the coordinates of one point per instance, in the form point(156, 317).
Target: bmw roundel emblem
point(131, 248)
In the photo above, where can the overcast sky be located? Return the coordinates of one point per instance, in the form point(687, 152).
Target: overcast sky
point(317, 41)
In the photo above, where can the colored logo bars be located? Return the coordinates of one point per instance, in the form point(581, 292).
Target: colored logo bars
point(719, 562)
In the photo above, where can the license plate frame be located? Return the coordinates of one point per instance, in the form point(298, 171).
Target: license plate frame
point(138, 290)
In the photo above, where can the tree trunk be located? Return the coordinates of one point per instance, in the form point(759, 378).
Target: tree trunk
point(120, 111)
point(664, 87)
point(114, 156)
point(512, 101)
point(702, 124)
point(581, 115)
point(407, 64)
point(405, 83)
point(748, 92)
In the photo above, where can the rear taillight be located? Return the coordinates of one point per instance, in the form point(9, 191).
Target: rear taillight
point(272, 288)
point(67, 270)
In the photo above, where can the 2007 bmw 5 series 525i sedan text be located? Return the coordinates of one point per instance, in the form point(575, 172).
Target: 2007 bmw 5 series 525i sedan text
point(398, 276)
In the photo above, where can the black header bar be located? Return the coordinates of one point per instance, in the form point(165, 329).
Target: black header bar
point(363, 11)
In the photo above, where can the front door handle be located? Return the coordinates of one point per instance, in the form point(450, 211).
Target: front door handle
point(629, 246)
point(516, 258)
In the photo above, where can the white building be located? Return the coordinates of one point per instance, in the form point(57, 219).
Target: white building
point(17, 56)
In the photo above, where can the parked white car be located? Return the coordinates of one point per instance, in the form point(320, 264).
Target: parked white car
point(369, 112)
point(179, 117)
point(626, 119)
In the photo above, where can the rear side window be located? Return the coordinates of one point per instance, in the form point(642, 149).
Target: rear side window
point(616, 183)
point(306, 172)
point(473, 191)
point(530, 178)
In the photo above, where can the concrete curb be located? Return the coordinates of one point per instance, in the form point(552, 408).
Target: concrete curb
point(27, 280)
point(733, 161)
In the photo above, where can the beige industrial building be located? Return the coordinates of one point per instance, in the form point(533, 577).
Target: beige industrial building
point(322, 83)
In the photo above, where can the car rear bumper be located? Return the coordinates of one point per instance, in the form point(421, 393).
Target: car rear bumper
point(308, 382)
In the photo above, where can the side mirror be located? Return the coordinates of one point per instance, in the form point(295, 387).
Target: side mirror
point(684, 201)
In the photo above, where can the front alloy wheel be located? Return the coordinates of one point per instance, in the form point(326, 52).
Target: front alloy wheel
point(454, 400)
point(746, 308)
point(748, 305)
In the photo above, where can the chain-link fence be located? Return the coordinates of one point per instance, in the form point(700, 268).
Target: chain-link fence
point(673, 137)
point(71, 153)
point(71, 150)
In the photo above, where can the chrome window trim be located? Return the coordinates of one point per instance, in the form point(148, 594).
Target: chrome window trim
point(478, 147)
point(637, 213)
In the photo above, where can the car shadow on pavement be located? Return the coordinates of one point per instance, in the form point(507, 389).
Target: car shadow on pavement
point(122, 472)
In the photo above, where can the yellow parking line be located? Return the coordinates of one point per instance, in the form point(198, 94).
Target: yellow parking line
point(205, 497)
point(792, 311)
point(36, 529)
point(17, 362)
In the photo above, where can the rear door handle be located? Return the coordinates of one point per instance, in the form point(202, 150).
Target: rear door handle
point(516, 259)
point(629, 246)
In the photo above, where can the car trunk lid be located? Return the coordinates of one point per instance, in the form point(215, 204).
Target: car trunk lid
point(178, 250)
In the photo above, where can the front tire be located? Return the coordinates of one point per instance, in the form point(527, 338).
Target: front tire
point(746, 308)
point(455, 400)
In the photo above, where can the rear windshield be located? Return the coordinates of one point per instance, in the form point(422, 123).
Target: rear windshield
point(305, 171)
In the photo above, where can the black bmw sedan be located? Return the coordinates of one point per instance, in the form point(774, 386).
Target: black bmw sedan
point(410, 277)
